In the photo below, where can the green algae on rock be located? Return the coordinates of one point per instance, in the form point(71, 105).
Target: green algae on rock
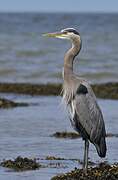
point(21, 164)
point(65, 134)
point(102, 172)
point(105, 90)
point(26, 164)
point(5, 103)
point(31, 89)
point(74, 135)
point(53, 158)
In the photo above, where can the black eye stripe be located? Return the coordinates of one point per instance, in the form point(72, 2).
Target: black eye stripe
point(71, 31)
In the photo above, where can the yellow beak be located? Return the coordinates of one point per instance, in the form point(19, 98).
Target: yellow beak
point(55, 34)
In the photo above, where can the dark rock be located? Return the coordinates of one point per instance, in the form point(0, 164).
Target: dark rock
point(74, 135)
point(71, 135)
point(5, 103)
point(53, 158)
point(102, 172)
point(106, 90)
point(21, 164)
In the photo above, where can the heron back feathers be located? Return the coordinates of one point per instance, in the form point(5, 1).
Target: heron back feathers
point(86, 116)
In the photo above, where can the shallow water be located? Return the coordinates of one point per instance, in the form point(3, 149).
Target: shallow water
point(26, 56)
point(26, 131)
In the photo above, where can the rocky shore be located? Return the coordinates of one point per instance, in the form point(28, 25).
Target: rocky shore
point(102, 172)
point(106, 90)
point(5, 103)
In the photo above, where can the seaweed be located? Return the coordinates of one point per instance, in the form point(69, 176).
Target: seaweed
point(64, 134)
point(21, 164)
point(102, 172)
point(105, 90)
point(25, 164)
point(53, 158)
point(74, 135)
point(5, 103)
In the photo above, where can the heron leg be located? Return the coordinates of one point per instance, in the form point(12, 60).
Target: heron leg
point(86, 150)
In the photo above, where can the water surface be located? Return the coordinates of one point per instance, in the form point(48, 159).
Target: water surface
point(26, 131)
point(26, 56)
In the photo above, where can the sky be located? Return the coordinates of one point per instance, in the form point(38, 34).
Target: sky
point(58, 5)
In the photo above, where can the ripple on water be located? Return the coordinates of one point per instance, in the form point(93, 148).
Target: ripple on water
point(26, 131)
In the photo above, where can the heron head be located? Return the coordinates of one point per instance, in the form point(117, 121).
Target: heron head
point(68, 33)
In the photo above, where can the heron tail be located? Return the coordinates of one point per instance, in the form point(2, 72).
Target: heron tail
point(101, 147)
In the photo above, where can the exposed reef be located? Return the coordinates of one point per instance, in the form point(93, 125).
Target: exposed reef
point(26, 164)
point(65, 134)
point(5, 103)
point(102, 172)
point(21, 164)
point(74, 135)
point(106, 90)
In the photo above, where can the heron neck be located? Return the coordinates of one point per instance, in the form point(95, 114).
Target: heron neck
point(70, 56)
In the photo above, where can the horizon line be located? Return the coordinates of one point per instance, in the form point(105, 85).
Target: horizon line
point(66, 12)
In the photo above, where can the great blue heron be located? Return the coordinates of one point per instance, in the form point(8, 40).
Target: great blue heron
point(86, 116)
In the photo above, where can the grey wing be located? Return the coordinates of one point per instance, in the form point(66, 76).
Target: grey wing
point(88, 114)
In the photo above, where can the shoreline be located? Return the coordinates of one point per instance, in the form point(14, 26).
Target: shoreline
point(104, 90)
point(101, 171)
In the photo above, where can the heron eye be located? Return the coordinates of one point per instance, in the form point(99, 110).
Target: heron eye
point(65, 32)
